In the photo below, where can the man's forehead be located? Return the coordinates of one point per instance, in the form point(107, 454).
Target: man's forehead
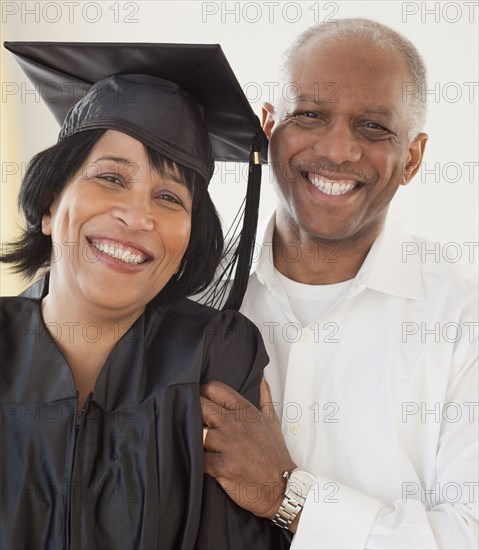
point(327, 71)
point(321, 53)
point(347, 75)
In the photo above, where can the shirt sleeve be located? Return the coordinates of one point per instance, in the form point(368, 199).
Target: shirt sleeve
point(439, 513)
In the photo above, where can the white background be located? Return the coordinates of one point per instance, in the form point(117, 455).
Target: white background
point(442, 201)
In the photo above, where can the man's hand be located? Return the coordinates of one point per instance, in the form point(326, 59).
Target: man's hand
point(244, 448)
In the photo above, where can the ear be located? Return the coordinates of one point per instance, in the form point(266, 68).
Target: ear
point(47, 224)
point(414, 158)
point(268, 112)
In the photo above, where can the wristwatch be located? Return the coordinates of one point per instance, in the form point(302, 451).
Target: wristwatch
point(298, 484)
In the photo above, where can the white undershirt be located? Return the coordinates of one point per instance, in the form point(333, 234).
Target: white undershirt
point(311, 302)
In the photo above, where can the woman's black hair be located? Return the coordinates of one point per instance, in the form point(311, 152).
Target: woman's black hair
point(49, 171)
point(205, 247)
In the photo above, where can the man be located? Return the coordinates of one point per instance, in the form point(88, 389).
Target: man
point(373, 364)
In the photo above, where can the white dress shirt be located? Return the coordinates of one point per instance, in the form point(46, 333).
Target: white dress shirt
point(378, 396)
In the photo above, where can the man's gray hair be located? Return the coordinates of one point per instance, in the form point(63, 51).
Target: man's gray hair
point(382, 37)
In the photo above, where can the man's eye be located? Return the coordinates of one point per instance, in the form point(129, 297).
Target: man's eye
point(374, 126)
point(307, 114)
point(302, 116)
point(374, 131)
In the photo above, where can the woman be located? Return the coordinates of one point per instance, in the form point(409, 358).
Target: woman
point(102, 433)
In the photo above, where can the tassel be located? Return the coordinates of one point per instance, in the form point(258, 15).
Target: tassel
point(243, 255)
point(238, 254)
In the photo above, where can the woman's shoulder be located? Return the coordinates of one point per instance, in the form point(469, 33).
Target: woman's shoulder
point(17, 308)
point(227, 324)
point(24, 306)
point(234, 353)
point(208, 343)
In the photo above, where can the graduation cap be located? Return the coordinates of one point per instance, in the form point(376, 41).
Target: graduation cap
point(182, 100)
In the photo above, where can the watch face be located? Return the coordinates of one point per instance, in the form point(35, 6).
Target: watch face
point(300, 482)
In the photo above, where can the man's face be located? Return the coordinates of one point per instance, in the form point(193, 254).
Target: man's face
point(340, 148)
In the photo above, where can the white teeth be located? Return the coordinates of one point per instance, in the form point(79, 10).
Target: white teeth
point(330, 187)
point(125, 256)
point(119, 252)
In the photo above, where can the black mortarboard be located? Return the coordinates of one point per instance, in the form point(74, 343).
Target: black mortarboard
point(168, 96)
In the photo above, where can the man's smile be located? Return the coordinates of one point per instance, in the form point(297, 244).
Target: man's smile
point(329, 186)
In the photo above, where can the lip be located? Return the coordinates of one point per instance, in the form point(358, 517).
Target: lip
point(114, 263)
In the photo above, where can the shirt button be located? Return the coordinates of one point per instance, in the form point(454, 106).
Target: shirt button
point(294, 428)
point(260, 279)
point(306, 336)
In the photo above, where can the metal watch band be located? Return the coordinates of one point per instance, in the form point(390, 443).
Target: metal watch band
point(298, 484)
point(288, 510)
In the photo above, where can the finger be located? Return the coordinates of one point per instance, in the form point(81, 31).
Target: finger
point(211, 412)
point(223, 395)
point(209, 438)
point(214, 442)
point(212, 463)
point(265, 397)
point(215, 465)
point(208, 463)
point(266, 402)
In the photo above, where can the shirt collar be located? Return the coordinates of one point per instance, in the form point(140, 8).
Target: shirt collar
point(387, 267)
point(262, 263)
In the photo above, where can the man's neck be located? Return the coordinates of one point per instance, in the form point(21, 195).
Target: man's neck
point(319, 262)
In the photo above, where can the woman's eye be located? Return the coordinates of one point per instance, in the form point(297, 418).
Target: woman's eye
point(115, 180)
point(169, 198)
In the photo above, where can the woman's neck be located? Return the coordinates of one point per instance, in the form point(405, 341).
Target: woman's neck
point(85, 340)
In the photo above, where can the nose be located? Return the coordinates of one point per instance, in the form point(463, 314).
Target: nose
point(337, 143)
point(135, 212)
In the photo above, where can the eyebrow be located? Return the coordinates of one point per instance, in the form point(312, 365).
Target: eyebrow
point(173, 177)
point(379, 110)
point(311, 99)
point(120, 160)
point(166, 174)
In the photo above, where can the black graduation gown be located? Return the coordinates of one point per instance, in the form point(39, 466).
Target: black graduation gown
point(128, 472)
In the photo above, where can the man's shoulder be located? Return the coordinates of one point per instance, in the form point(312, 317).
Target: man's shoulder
point(437, 262)
point(449, 274)
point(455, 262)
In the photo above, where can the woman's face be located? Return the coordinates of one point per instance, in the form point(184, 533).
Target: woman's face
point(119, 229)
